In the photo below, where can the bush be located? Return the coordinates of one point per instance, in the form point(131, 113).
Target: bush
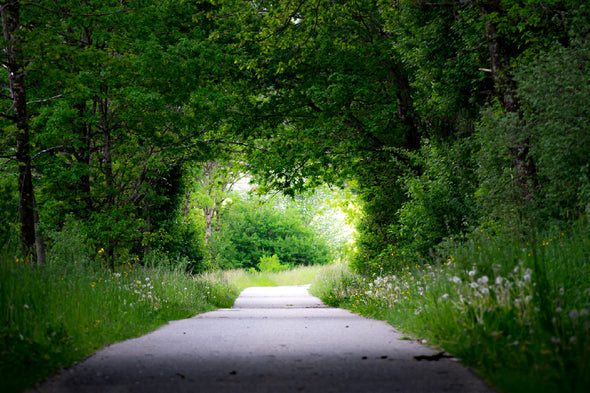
point(554, 93)
point(271, 264)
point(250, 232)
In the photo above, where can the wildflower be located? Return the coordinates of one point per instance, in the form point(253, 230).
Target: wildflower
point(484, 291)
point(483, 280)
point(516, 302)
point(527, 275)
point(583, 312)
point(499, 280)
point(555, 340)
point(445, 296)
point(472, 273)
point(455, 279)
point(26, 306)
point(573, 314)
point(117, 275)
point(558, 310)
point(473, 285)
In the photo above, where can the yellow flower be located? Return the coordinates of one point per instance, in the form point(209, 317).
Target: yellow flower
point(100, 251)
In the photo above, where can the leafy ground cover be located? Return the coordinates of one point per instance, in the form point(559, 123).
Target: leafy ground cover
point(519, 314)
point(54, 317)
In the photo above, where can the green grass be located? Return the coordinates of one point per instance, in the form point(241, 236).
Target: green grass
point(54, 317)
point(51, 318)
point(518, 314)
point(239, 279)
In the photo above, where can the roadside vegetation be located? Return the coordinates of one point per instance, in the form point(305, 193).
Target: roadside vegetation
point(519, 315)
point(55, 317)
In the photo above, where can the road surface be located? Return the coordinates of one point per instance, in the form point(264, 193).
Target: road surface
point(274, 339)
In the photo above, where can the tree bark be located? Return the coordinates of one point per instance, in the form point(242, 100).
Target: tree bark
point(31, 242)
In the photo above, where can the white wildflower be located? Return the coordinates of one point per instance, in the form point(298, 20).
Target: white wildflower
point(455, 279)
point(499, 280)
point(527, 275)
point(445, 296)
point(117, 275)
point(473, 285)
point(484, 291)
point(483, 280)
point(583, 312)
point(555, 340)
point(516, 302)
point(558, 310)
point(573, 314)
point(26, 306)
point(472, 273)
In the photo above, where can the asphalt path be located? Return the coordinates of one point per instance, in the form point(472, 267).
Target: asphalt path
point(274, 339)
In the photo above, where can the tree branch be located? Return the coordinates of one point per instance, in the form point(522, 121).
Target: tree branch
point(45, 100)
point(46, 151)
point(448, 3)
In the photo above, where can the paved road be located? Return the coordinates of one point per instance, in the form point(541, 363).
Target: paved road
point(275, 339)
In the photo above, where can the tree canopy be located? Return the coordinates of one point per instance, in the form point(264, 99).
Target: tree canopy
point(442, 116)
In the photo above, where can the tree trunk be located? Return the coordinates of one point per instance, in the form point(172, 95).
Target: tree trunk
point(209, 213)
point(522, 167)
point(103, 108)
point(31, 241)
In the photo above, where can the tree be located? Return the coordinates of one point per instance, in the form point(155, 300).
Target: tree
point(213, 185)
point(14, 63)
point(250, 231)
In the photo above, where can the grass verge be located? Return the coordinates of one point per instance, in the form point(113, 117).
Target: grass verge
point(517, 314)
point(52, 318)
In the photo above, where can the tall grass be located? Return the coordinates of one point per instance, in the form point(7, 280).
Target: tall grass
point(239, 279)
point(519, 314)
point(53, 317)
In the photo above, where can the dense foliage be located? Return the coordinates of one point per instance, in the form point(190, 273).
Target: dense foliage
point(251, 232)
point(125, 122)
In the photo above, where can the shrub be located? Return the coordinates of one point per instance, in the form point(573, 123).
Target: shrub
point(271, 264)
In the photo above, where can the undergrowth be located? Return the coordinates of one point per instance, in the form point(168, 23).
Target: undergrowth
point(54, 317)
point(518, 313)
point(51, 318)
